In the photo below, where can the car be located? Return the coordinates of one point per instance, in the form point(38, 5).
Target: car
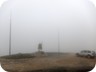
point(86, 53)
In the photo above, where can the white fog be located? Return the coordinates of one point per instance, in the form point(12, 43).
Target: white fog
point(72, 22)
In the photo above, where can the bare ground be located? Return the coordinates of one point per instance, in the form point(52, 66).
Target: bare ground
point(65, 62)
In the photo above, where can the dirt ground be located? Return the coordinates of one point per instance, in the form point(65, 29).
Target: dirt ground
point(68, 61)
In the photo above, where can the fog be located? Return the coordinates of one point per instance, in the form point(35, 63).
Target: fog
point(70, 22)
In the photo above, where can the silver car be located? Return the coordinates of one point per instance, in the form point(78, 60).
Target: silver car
point(87, 53)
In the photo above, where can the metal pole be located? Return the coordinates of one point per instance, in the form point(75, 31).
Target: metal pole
point(58, 44)
point(10, 36)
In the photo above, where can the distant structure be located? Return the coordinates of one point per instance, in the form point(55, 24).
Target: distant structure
point(39, 47)
point(40, 53)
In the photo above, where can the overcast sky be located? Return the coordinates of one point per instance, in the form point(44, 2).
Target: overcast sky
point(40, 21)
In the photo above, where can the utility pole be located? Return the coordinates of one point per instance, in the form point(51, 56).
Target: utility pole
point(10, 35)
point(58, 43)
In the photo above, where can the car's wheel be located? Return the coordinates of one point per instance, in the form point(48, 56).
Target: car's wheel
point(88, 56)
point(92, 57)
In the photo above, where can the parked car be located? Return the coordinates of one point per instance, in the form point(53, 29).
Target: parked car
point(86, 53)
